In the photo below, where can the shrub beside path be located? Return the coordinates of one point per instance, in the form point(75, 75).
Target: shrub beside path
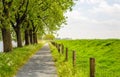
point(40, 65)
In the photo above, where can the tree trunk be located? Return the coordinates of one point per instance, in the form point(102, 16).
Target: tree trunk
point(35, 37)
point(19, 38)
point(7, 40)
point(31, 36)
point(27, 40)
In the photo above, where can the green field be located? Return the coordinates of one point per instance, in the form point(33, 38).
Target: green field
point(106, 53)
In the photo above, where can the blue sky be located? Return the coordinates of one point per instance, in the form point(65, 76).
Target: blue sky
point(93, 19)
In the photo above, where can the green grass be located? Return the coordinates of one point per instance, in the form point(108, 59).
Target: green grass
point(106, 53)
point(12, 61)
point(63, 68)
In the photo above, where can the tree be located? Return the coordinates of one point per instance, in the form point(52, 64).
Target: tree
point(18, 18)
point(26, 27)
point(33, 17)
point(5, 24)
point(49, 37)
point(47, 16)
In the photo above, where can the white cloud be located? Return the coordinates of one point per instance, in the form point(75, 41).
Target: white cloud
point(106, 9)
point(91, 1)
point(80, 25)
point(73, 15)
point(82, 1)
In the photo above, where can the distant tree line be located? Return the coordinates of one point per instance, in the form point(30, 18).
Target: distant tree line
point(25, 19)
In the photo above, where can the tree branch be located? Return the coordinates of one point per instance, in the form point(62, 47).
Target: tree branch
point(43, 21)
point(25, 13)
point(45, 8)
point(12, 23)
point(22, 3)
point(10, 3)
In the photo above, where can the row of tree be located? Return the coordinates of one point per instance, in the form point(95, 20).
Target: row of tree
point(28, 18)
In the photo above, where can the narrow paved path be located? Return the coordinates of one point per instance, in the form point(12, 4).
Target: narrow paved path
point(40, 65)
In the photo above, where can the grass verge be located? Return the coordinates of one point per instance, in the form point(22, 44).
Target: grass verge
point(12, 61)
point(64, 68)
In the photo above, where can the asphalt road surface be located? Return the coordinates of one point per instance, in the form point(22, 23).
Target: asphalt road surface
point(40, 65)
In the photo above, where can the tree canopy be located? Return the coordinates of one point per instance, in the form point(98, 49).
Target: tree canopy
point(30, 18)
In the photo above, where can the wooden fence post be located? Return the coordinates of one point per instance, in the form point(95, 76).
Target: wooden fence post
point(55, 44)
point(92, 67)
point(62, 49)
point(74, 58)
point(59, 48)
point(66, 55)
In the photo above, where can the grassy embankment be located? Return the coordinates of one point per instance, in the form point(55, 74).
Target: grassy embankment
point(12, 61)
point(106, 53)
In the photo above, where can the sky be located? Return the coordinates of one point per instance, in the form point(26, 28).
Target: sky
point(92, 19)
